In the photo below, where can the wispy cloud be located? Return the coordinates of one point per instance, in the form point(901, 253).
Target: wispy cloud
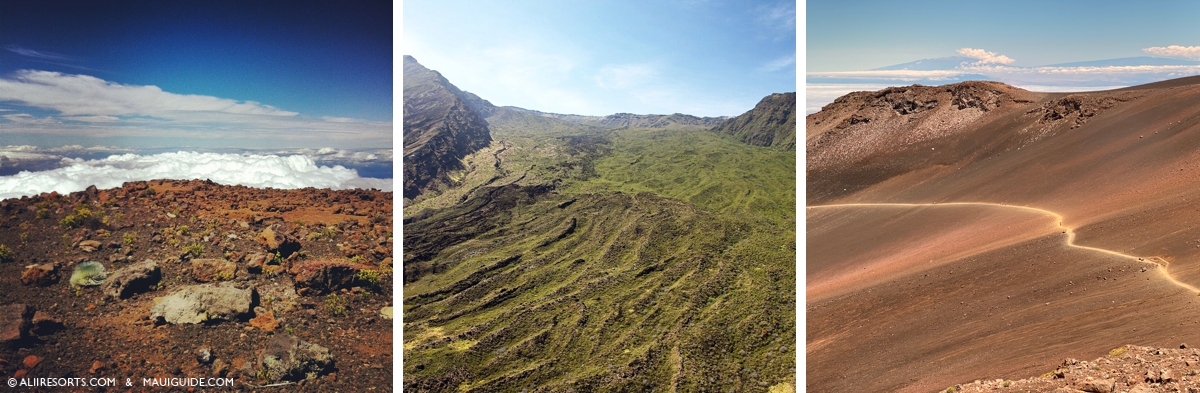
point(1186, 52)
point(778, 64)
point(625, 76)
point(92, 119)
point(985, 57)
point(25, 118)
point(780, 17)
point(41, 55)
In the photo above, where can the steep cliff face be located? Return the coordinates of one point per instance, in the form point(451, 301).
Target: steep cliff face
point(771, 123)
point(440, 128)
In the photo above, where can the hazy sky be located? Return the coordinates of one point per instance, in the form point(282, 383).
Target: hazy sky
point(861, 35)
point(706, 58)
point(196, 73)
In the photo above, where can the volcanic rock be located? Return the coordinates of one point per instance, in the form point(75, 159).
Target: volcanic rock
point(287, 358)
point(281, 243)
point(133, 279)
point(204, 303)
point(89, 245)
point(42, 275)
point(327, 276)
point(207, 270)
point(44, 324)
point(14, 322)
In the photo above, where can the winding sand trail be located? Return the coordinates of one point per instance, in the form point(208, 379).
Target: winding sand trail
point(1158, 262)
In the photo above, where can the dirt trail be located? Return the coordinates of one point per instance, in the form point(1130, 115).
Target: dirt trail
point(1158, 262)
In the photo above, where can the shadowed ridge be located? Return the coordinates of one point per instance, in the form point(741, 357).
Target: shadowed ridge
point(440, 128)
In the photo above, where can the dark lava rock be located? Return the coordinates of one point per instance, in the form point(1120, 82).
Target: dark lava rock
point(327, 276)
point(44, 324)
point(14, 322)
point(133, 279)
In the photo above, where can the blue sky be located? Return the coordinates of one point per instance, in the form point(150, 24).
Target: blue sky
point(704, 58)
point(861, 35)
point(196, 73)
point(1020, 43)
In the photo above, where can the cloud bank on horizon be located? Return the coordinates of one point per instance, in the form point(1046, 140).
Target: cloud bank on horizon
point(1175, 62)
point(251, 170)
point(34, 102)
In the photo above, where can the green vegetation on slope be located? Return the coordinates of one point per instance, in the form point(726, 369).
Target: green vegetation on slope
point(576, 258)
point(712, 171)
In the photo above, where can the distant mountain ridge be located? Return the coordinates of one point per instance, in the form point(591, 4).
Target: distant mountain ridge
point(633, 120)
point(772, 123)
point(441, 126)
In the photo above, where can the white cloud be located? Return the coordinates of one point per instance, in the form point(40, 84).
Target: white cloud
point(88, 95)
point(92, 119)
point(1187, 52)
point(25, 118)
point(985, 57)
point(98, 108)
point(245, 169)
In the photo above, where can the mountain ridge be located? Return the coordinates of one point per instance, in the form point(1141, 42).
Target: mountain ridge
point(441, 127)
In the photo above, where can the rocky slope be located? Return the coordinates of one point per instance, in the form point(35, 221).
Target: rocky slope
point(980, 231)
point(441, 126)
point(1129, 368)
point(193, 279)
point(771, 123)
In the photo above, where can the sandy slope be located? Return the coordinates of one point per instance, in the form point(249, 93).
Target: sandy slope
point(917, 298)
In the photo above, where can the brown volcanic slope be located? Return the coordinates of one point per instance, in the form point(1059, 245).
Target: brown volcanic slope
point(923, 296)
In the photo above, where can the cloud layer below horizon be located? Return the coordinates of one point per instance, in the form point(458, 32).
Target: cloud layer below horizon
point(251, 170)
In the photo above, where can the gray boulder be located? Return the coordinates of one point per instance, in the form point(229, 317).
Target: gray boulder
point(207, 303)
point(133, 279)
point(287, 358)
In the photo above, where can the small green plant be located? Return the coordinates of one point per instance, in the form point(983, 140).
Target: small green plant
point(24, 237)
point(357, 259)
point(370, 276)
point(88, 274)
point(129, 238)
point(1006, 383)
point(195, 249)
point(1118, 351)
point(173, 242)
point(81, 216)
point(328, 232)
point(149, 192)
point(184, 230)
point(336, 304)
point(6, 254)
point(289, 330)
point(951, 389)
